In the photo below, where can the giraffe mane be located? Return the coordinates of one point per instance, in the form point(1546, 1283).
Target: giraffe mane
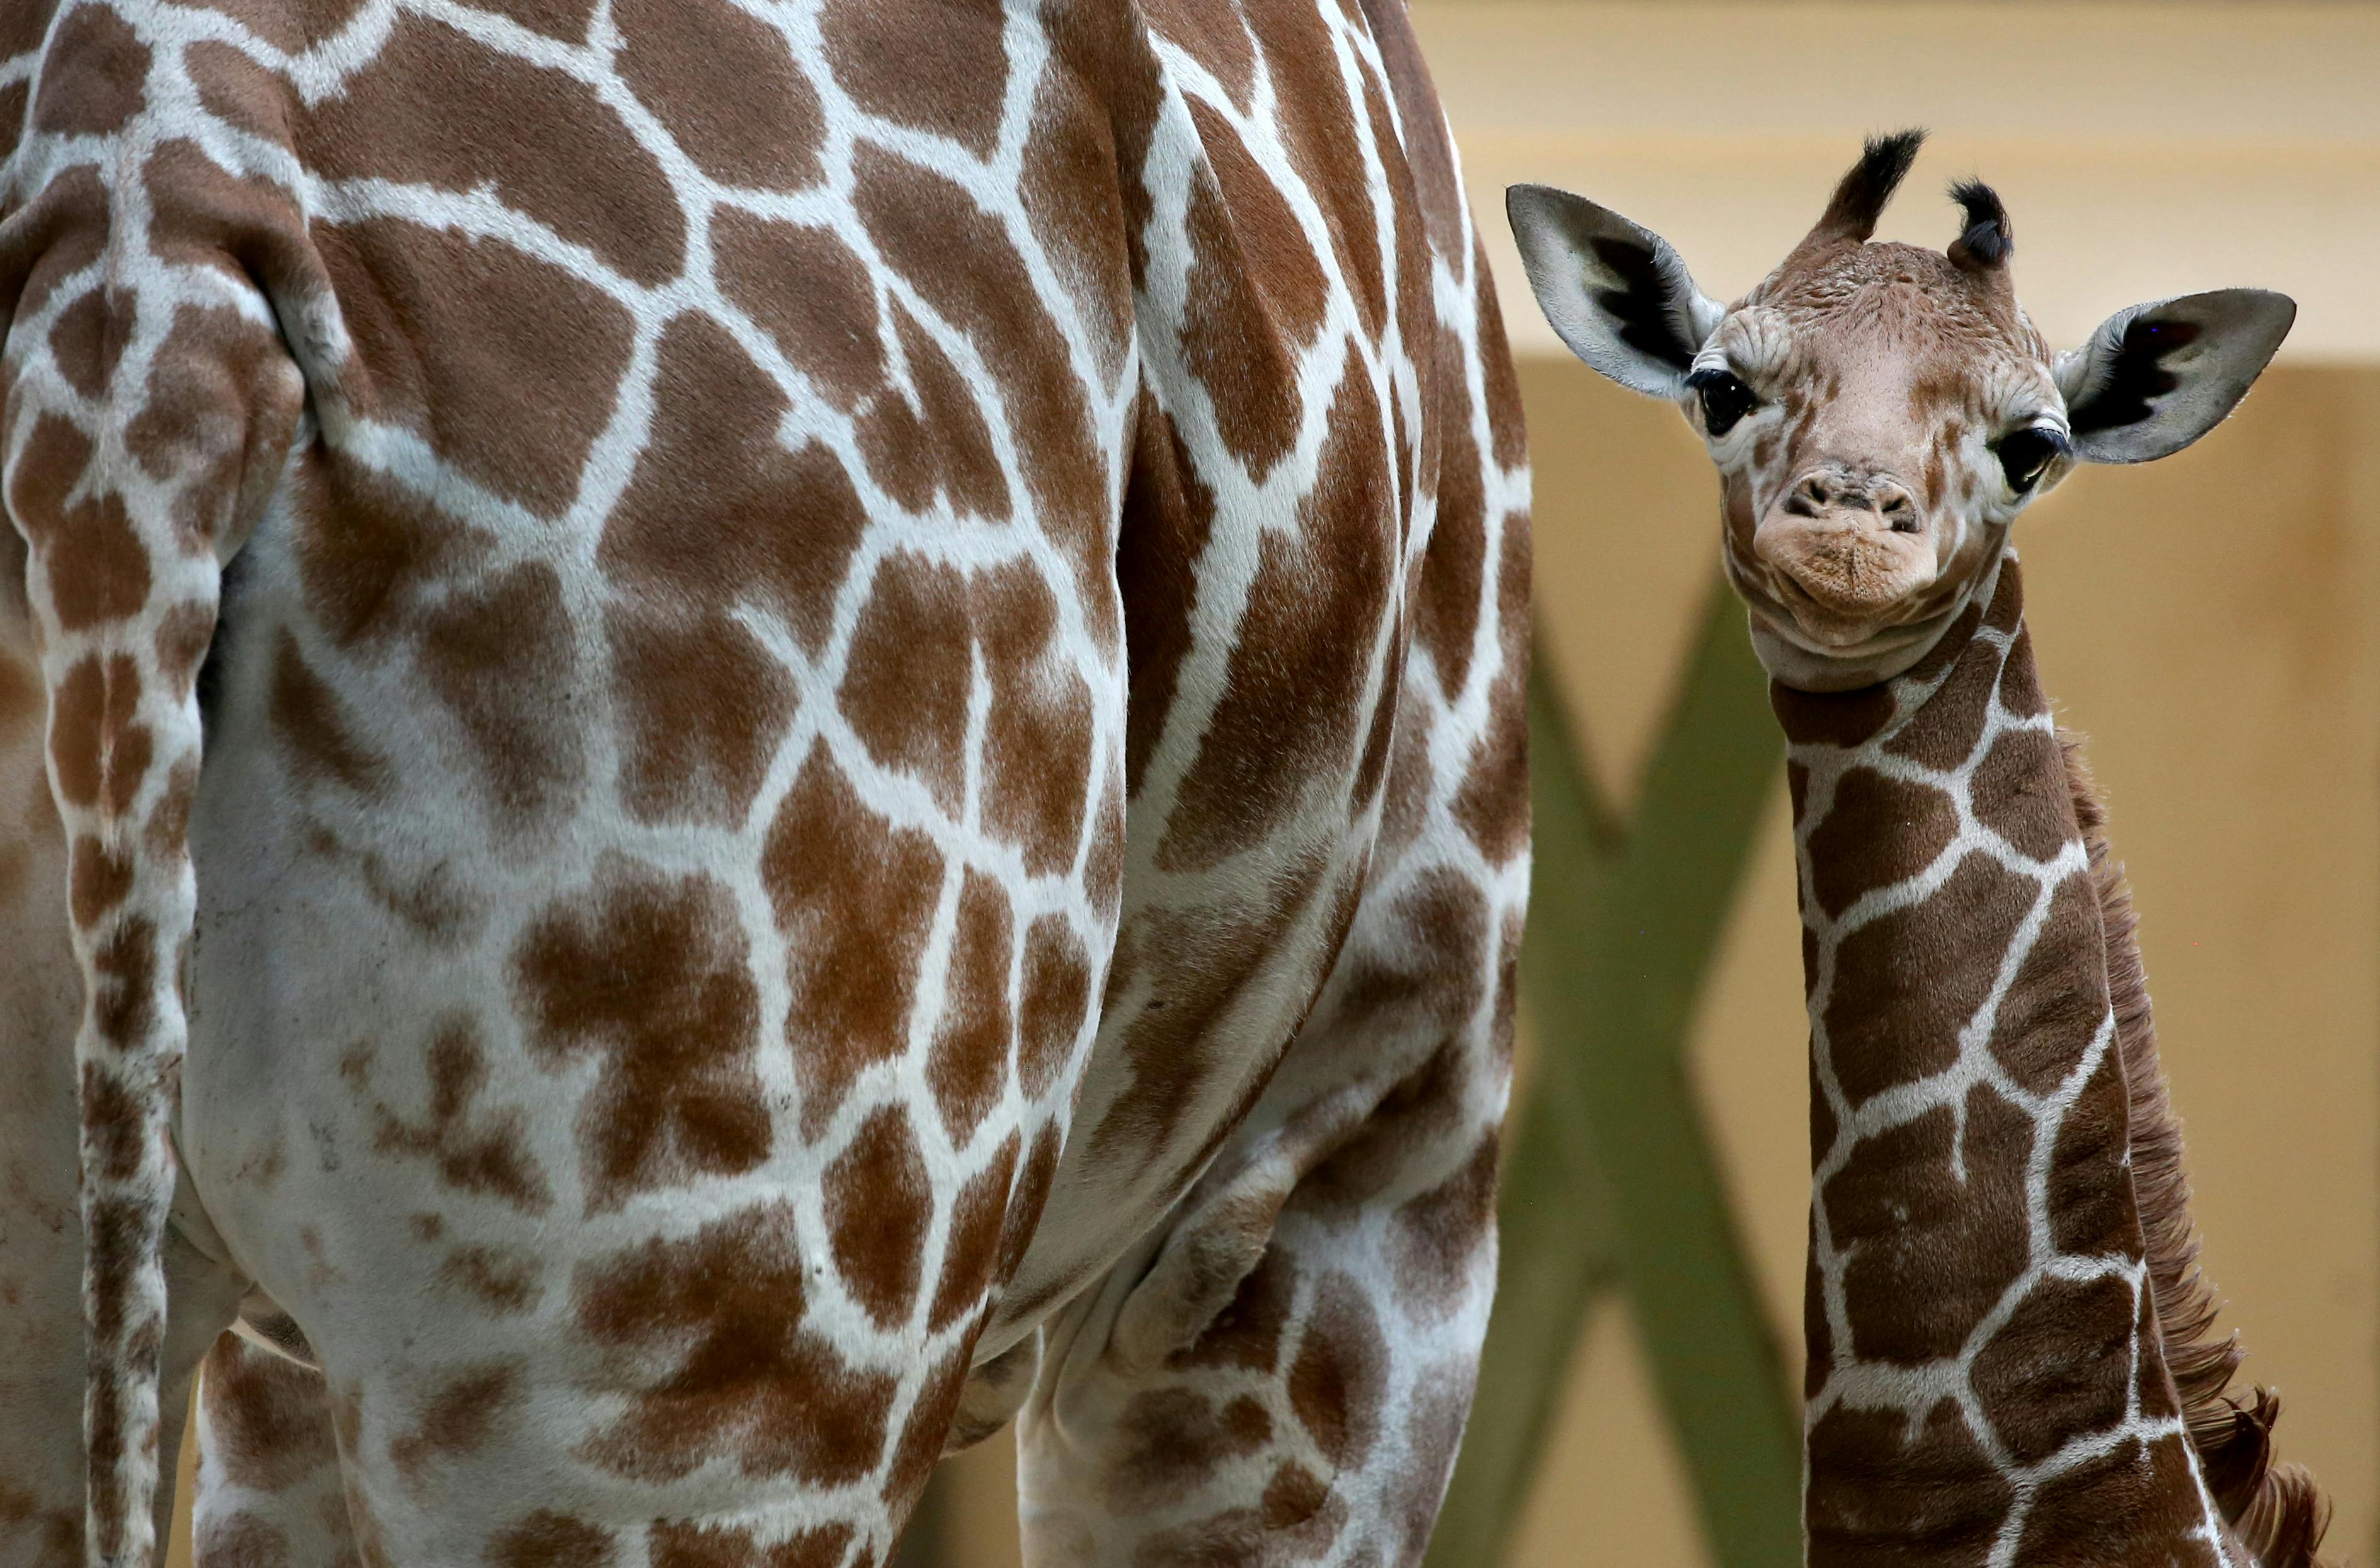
point(2277, 1509)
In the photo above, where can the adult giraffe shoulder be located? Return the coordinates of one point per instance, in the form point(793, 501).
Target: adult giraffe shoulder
point(2011, 1358)
point(799, 723)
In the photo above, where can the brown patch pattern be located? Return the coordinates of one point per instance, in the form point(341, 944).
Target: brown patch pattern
point(708, 1347)
point(855, 897)
point(1928, 1226)
point(650, 974)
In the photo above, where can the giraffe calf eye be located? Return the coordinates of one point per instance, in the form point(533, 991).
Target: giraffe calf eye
point(2026, 453)
point(1725, 399)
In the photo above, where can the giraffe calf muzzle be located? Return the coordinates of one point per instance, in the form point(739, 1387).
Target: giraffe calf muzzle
point(1846, 553)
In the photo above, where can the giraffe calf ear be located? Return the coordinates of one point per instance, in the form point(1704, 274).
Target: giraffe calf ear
point(2156, 377)
point(1616, 293)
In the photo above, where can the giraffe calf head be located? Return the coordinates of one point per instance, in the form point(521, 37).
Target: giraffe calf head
point(1879, 413)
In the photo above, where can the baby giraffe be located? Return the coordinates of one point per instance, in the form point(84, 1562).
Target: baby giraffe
point(2011, 1358)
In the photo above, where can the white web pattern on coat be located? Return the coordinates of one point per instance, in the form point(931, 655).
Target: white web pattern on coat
point(1914, 1391)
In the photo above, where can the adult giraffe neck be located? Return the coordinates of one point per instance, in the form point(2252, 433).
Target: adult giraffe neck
point(1987, 1378)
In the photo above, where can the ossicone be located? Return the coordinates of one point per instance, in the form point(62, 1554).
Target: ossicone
point(1861, 195)
point(1986, 241)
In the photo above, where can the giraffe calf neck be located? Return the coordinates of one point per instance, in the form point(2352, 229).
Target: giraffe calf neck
point(2001, 1317)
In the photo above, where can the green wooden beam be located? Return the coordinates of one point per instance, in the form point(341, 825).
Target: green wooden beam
point(1629, 1000)
point(1610, 1165)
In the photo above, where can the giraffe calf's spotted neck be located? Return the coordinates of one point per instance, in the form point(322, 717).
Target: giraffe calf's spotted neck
point(2008, 1343)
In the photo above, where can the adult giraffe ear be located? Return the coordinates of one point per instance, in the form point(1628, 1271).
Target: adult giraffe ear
point(1616, 293)
point(2156, 377)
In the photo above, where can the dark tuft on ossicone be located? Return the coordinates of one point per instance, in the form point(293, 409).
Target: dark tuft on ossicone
point(1986, 240)
point(1859, 199)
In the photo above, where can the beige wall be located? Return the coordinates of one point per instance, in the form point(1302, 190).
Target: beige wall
point(2145, 148)
point(2212, 624)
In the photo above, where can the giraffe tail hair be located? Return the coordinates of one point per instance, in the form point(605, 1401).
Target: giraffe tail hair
point(2278, 1511)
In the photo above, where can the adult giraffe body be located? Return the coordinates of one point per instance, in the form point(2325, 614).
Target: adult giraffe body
point(2009, 1350)
point(861, 670)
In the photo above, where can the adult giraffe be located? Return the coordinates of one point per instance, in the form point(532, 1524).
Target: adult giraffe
point(2010, 1357)
point(861, 668)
